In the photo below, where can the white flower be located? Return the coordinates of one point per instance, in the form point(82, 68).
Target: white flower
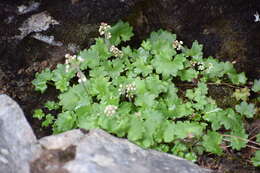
point(67, 55)
point(177, 44)
point(82, 77)
point(72, 61)
point(103, 30)
point(108, 35)
point(110, 110)
point(115, 51)
point(201, 66)
point(128, 90)
point(257, 17)
point(130, 87)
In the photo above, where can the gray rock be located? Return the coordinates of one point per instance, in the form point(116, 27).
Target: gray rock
point(100, 152)
point(23, 9)
point(76, 151)
point(36, 23)
point(17, 144)
point(61, 141)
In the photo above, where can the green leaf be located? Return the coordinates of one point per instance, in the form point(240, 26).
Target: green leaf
point(168, 134)
point(256, 159)
point(162, 35)
point(107, 123)
point(218, 117)
point(146, 45)
point(237, 78)
point(241, 94)
point(195, 51)
point(98, 72)
point(162, 148)
point(186, 128)
point(145, 100)
point(102, 49)
point(114, 68)
point(228, 118)
point(41, 79)
point(127, 51)
point(142, 68)
point(256, 86)
point(212, 142)
point(121, 31)
point(38, 113)
point(74, 98)
point(188, 75)
point(179, 149)
point(168, 67)
point(122, 126)
point(155, 85)
point(49, 119)
point(199, 96)
point(152, 122)
point(64, 122)
point(88, 116)
point(136, 130)
point(236, 139)
point(51, 105)
point(191, 156)
point(162, 44)
point(246, 109)
point(62, 78)
point(91, 59)
point(181, 110)
point(100, 87)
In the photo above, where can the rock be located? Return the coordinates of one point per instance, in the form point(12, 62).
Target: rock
point(100, 152)
point(36, 23)
point(17, 144)
point(76, 151)
point(61, 141)
point(23, 9)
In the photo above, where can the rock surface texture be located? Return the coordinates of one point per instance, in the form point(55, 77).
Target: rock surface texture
point(75, 151)
point(17, 140)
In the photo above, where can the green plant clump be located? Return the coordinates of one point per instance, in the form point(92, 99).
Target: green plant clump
point(140, 94)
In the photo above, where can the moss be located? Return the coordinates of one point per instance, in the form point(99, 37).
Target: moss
point(223, 96)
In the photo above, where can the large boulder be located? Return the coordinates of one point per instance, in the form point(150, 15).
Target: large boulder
point(17, 140)
point(76, 151)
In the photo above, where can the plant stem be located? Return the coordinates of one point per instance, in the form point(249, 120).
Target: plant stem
point(250, 146)
point(247, 140)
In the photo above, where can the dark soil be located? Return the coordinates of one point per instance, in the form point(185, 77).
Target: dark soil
point(53, 161)
point(18, 64)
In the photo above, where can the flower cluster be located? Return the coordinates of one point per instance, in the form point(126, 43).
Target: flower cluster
point(71, 61)
point(81, 77)
point(128, 90)
point(202, 66)
point(103, 30)
point(110, 110)
point(199, 65)
point(177, 44)
point(115, 51)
